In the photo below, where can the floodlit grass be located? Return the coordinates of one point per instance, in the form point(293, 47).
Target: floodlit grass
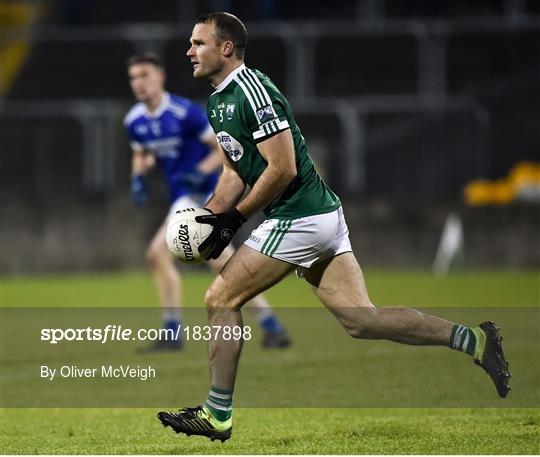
point(277, 431)
point(416, 288)
point(409, 376)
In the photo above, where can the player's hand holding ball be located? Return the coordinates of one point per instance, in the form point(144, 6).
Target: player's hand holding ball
point(225, 225)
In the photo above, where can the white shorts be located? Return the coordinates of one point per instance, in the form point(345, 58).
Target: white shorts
point(188, 201)
point(302, 241)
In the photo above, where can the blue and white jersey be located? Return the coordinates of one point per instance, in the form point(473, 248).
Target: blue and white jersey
point(173, 133)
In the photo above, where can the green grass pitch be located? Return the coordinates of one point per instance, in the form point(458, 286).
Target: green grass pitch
point(464, 429)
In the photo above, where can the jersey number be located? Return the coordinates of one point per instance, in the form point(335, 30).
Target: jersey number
point(220, 115)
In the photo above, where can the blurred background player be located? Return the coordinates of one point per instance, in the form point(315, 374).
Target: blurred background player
point(174, 132)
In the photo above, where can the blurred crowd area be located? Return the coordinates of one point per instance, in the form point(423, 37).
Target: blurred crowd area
point(411, 109)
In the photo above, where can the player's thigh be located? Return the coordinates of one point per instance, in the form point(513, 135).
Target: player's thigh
point(246, 274)
point(339, 284)
point(217, 265)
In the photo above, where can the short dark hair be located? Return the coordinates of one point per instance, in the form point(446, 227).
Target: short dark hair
point(228, 27)
point(145, 57)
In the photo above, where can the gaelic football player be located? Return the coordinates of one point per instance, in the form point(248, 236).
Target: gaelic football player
point(305, 230)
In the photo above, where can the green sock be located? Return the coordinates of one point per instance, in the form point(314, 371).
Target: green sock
point(219, 403)
point(463, 339)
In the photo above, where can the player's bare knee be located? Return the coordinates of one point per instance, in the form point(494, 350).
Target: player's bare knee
point(157, 258)
point(218, 296)
point(210, 297)
point(152, 256)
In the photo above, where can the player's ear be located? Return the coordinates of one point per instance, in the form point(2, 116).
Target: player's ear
point(227, 48)
point(163, 76)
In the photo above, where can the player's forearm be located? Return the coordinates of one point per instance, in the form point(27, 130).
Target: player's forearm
point(279, 153)
point(228, 192)
point(272, 182)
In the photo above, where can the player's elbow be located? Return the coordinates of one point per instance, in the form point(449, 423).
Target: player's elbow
point(291, 172)
point(287, 174)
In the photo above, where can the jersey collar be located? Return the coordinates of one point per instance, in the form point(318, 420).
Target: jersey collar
point(229, 78)
point(161, 108)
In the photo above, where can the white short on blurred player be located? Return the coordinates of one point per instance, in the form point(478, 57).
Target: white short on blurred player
point(173, 132)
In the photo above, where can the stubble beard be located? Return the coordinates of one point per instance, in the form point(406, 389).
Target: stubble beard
point(209, 75)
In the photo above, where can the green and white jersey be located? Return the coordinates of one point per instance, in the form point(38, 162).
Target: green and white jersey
point(247, 108)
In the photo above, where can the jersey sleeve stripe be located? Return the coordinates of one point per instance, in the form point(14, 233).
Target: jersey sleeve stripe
point(251, 74)
point(246, 87)
point(269, 128)
point(135, 112)
point(252, 77)
point(248, 77)
point(249, 97)
point(178, 110)
point(258, 97)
